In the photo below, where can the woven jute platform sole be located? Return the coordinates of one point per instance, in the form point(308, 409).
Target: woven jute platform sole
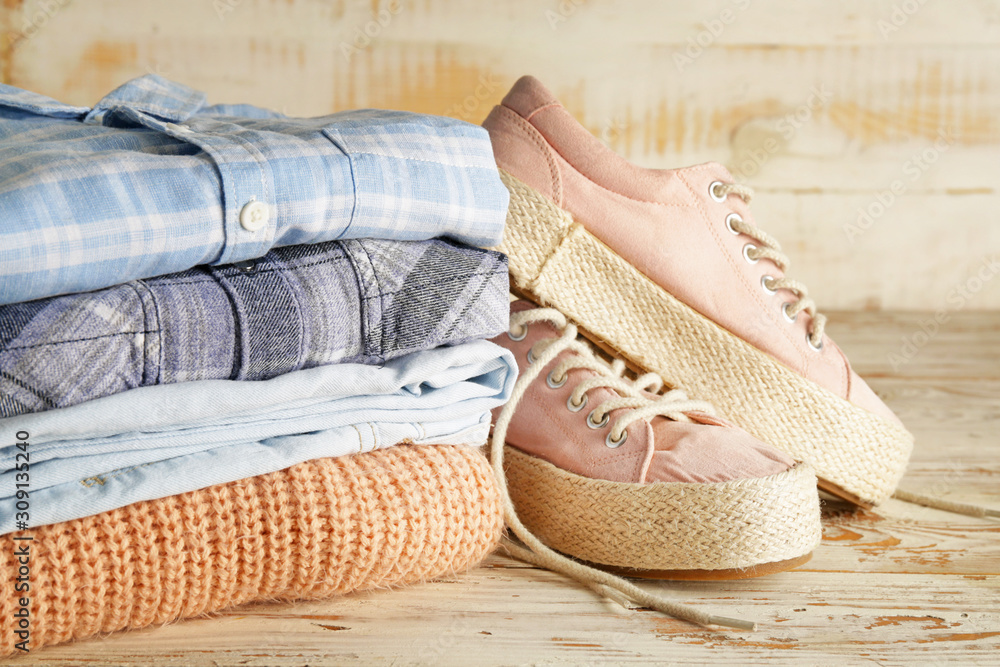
point(555, 262)
point(675, 530)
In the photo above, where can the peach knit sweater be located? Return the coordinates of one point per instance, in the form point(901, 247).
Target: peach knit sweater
point(318, 529)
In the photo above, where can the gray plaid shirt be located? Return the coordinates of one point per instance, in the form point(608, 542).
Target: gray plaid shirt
point(297, 307)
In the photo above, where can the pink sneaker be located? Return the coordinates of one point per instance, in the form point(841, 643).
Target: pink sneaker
point(649, 485)
point(667, 269)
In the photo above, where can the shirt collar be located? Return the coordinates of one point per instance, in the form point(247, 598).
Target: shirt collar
point(25, 100)
point(154, 95)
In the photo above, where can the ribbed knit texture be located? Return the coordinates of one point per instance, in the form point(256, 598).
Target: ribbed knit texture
point(315, 530)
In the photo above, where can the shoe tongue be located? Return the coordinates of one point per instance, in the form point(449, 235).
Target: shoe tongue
point(520, 305)
point(528, 96)
point(696, 417)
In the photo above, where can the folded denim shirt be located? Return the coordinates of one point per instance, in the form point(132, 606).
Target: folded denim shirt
point(298, 307)
point(154, 442)
point(152, 180)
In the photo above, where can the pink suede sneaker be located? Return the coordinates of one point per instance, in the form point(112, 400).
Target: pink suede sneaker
point(600, 468)
point(667, 269)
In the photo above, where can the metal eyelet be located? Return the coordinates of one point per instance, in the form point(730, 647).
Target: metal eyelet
point(615, 444)
point(764, 280)
point(596, 425)
point(549, 380)
point(746, 253)
point(515, 337)
point(784, 311)
point(814, 348)
point(712, 193)
point(575, 407)
point(530, 356)
point(733, 217)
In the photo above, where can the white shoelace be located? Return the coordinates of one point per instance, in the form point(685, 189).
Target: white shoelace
point(770, 249)
point(945, 505)
point(672, 405)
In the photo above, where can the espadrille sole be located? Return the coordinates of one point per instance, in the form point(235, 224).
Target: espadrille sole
point(555, 261)
point(711, 575)
point(675, 530)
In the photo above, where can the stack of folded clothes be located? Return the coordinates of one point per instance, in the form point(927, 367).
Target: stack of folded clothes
point(242, 356)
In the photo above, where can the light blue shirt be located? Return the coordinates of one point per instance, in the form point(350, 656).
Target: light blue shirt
point(152, 181)
point(153, 442)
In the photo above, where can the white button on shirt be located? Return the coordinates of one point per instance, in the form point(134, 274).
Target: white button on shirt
point(254, 215)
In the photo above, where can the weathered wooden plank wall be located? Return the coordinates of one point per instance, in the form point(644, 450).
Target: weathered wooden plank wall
point(871, 128)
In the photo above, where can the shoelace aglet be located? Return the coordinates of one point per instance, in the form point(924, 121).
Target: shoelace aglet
point(735, 623)
point(722, 621)
point(613, 595)
point(995, 513)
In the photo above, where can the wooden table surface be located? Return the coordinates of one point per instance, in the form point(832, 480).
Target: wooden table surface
point(902, 585)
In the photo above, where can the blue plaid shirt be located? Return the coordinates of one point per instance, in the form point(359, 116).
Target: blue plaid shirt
point(152, 181)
